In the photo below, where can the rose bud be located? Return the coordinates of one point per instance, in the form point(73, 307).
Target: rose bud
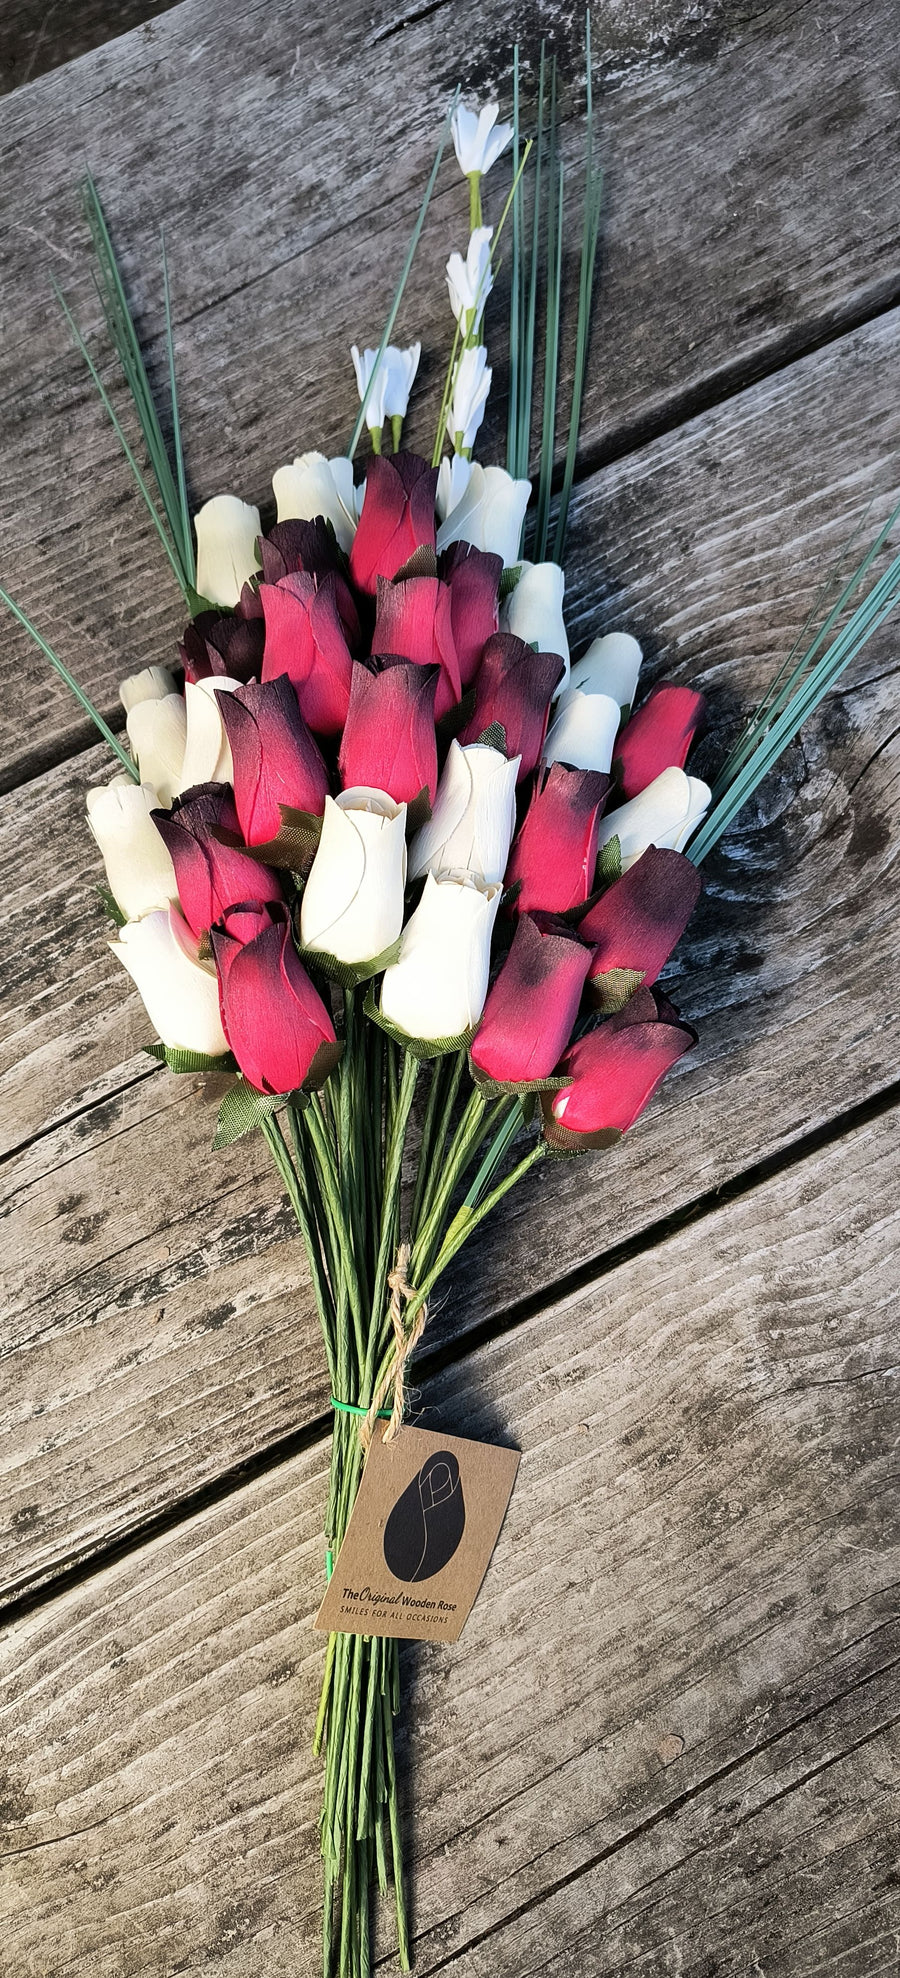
point(489, 514)
point(157, 731)
point(389, 741)
point(658, 736)
point(154, 683)
point(312, 486)
point(533, 611)
point(533, 1004)
point(515, 685)
point(212, 876)
point(666, 813)
point(584, 729)
point(274, 1019)
point(397, 518)
point(275, 759)
point(226, 530)
point(474, 581)
point(180, 992)
point(638, 921)
point(207, 753)
point(438, 985)
point(610, 666)
point(474, 816)
point(352, 906)
point(555, 855)
point(309, 547)
point(305, 639)
point(414, 620)
point(614, 1071)
point(226, 644)
point(138, 867)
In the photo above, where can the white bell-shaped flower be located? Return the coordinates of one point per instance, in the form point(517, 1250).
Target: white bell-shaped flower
point(478, 139)
point(470, 281)
point(471, 386)
point(533, 611)
point(352, 904)
point(665, 814)
point(437, 987)
point(179, 991)
point(207, 750)
point(139, 869)
point(153, 684)
point(610, 666)
point(157, 731)
point(488, 513)
point(583, 730)
point(471, 826)
point(311, 485)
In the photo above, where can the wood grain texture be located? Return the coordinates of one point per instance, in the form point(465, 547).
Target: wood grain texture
point(158, 1326)
point(35, 39)
point(288, 191)
point(668, 1738)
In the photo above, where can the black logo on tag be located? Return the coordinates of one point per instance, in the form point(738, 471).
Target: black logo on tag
point(427, 1522)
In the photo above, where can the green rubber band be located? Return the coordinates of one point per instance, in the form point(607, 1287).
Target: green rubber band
point(351, 1408)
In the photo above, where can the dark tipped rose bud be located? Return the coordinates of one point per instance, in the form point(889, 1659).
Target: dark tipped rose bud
point(555, 854)
point(613, 1072)
point(533, 1004)
point(275, 1021)
point(515, 685)
point(309, 547)
point(397, 517)
point(227, 644)
point(305, 639)
point(474, 582)
point(211, 875)
point(389, 741)
point(276, 760)
point(658, 736)
point(638, 921)
point(414, 621)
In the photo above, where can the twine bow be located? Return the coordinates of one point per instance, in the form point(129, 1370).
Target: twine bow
point(402, 1292)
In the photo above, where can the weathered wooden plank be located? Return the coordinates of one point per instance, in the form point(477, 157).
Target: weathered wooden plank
point(715, 540)
point(668, 1731)
point(287, 196)
point(34, 40)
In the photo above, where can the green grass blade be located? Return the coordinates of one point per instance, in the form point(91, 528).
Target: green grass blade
point(187, 533)
point(527, 392)
point(593, 196)
point(865, 620)
point(72, 684)
point(404, 274)
point(121, 436)
point(123, 335)
point(515, 283)
point(551, 347)
point(781, 689)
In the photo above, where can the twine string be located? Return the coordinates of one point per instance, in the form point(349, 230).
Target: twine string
point(405, 1342)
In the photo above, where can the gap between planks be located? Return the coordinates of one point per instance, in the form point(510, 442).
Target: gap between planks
point(27, 1598)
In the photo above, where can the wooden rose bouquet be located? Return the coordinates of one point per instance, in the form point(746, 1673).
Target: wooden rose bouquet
point(378, 850)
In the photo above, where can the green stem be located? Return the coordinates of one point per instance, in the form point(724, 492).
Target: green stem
point(125, 759)
point(476, 217)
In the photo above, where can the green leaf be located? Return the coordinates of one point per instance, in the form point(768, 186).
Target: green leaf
point(494, 737)
point(243, 1109)
point(349, 974)
point(422, 1048)
point(611, 990)
point(82, 698)
point(514, 1088)
point(110, 906)
point(190, 1061)
point(609, 863)
point(509, 577)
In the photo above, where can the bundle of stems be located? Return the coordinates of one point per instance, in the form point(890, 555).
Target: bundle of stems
point(340, 1157)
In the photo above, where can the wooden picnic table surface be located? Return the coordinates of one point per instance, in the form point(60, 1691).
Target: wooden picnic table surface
point(668, 1740)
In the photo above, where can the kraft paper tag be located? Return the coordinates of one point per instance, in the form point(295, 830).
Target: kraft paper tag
point(420, 1536)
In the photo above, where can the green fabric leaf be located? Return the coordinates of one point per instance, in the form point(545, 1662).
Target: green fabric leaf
point(516, 1088)
point(114, 911)
point(422, 1048)
point(349, 974)
point(184, 1061)
point(509, 579)
point(609, 863)
point(611, 990)
point(242, 1109)
point(494, 737)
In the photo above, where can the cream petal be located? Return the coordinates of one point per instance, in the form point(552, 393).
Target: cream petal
point(610, 666)
point(311, 485)
point(157, 731)
point(180, 993)
point(226, 529)
point(664, 814)
point(139, 869)
point(153, 684)
point(583, 731)
point(207, 751)
point(438, 986)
